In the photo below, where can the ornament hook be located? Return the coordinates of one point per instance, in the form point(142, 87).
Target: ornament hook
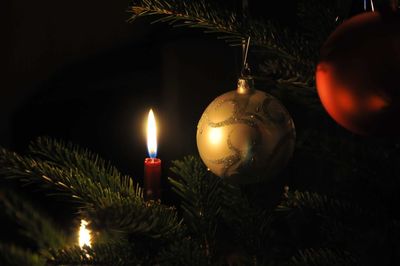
point(382, 6)
point(371, 3)
point(245, 67)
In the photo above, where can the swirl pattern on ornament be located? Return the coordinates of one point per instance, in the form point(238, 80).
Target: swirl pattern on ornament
point(239, 116)
point(245, 135)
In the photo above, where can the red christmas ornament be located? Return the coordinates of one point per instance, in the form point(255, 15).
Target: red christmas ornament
point(358, 75)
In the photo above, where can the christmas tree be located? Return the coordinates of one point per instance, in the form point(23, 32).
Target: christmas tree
point(333, 203)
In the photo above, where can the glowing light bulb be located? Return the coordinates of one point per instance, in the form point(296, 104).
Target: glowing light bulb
point(84, 235)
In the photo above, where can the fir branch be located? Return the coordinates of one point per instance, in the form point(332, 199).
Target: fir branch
point(101, 254)
point(133, 220)
point(291, 49)
point(110, 199)
point(322, 257)
point(192, 14)
point(188, 251)
point(251, 225)
point(35, 225)
point(89, 164)
point(201, 14)
point(213, 208)
point(71, 170)
point(67, 181)
point(321, 204)
point(297, 75)
point(318, 18)
point(181, 252)
point(11, 255)
point(201, 201)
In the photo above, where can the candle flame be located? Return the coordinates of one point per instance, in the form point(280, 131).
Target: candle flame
point(151, 135)
point(84, 235)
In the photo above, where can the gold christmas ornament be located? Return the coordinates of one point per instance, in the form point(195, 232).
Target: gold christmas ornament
point(246, 135)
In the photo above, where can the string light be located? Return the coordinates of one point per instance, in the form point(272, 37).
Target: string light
point(84, 235)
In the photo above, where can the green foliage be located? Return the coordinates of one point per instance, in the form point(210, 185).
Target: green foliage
point(321, 204)
point(183, 252)
point(11, 255)
point(193, 14)
point(318, 18)
point(148, 218)
point(322, 257)
point(219, 215)
point(102, 254)
point(67, 181)
point(103, 192)
point(200, 193)
point(249, 223)
point(187, 251)
point(295, 65)
point(68, 156)
point(113, 203)
point(221, 223)
point(34, 225)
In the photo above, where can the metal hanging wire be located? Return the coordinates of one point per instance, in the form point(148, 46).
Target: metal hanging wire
point(245, 42)
point(384, 5)
point(245, 52)
point(371, 3)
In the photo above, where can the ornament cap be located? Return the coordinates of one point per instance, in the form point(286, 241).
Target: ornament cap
point(245, 85)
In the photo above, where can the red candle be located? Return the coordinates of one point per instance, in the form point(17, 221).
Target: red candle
point(152, 178)
point(152, 165)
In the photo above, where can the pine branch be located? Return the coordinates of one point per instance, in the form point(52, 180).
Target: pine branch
point(213, 208)
point(69, 156)
point(251, 225)
point(297, 75)
point(67, 181)
point(101, 254)
point(292, 50)
point(180, 252)
point(322, 257)
point(322, 204)
point(72, 171)
point(200, 194)
point(35, 226)
point(188, 251)
point(319, 18)
point(192, 14)
point(202, 14)
point(113, 201)
point(11, 255)
point(147, 219)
